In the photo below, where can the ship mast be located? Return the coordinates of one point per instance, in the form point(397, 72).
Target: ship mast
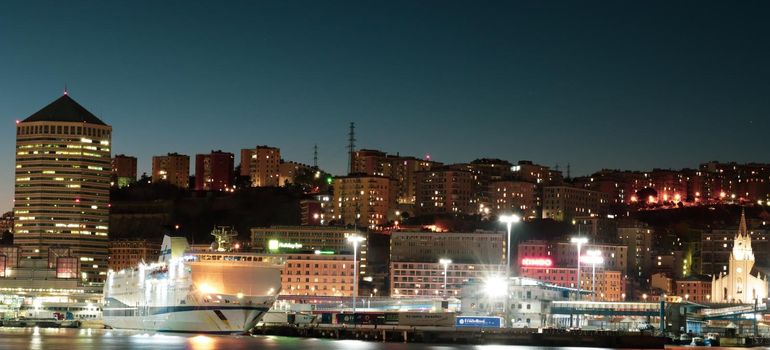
point(223, 238)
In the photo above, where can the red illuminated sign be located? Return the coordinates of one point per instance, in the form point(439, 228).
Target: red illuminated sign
point(537, 262)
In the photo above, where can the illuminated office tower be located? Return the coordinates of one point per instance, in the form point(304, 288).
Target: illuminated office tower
point(63, 187)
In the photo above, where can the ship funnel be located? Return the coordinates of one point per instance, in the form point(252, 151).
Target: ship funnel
point(172, 247)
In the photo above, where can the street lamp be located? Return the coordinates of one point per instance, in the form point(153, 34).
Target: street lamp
point(355, 240)
point(593, 257)
point(495, 287)
point(509, 220)
point(579, 241)
point(445, 263)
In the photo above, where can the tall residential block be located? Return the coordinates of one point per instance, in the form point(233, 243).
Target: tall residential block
point(514, 196)
point(444, 190)
point(173, 168)
point(288, 171)
point(525, 170)
point(370, 162)
point(262, 164)
point(400, 168)
point(363, 200)
point(637, 236)
point(123, 170)
point(564, 203)
point(214, 171)
point(63, 186)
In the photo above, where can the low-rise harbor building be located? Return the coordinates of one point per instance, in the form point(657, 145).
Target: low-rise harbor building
point(321, 273)
point(129, 253)
point(421, 279)
point(608, 284)
point(46, 288)
point(529, 303)
point(296, 239)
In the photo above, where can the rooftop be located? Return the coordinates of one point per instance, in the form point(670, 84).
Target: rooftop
point(64, 109)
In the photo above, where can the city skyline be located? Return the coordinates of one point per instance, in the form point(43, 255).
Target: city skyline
point(642, 95)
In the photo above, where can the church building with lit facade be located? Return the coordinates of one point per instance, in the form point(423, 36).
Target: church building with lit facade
point(740, 283)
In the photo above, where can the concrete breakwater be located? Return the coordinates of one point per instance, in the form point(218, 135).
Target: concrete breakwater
point(452, 335)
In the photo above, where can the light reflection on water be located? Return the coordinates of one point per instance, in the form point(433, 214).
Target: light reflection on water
point(93, 339)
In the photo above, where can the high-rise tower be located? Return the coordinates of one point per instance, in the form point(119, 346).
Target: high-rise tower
point(63, 187)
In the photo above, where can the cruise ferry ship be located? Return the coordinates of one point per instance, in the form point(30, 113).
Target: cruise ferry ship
point(213, 291)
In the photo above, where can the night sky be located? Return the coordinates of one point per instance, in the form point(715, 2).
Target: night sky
point(614, 84)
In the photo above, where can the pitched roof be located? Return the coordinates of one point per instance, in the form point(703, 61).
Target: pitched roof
point(742, 230)
point(64, 109)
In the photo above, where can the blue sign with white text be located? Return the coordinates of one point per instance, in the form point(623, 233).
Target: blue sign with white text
point(479, 321)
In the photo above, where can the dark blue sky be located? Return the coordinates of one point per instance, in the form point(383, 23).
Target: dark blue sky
point(614, 84)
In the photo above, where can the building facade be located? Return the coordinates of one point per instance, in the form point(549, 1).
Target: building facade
point(363, 200)
point(563, 254)
point(214, 171)
point(542, 175)
point(445, 190)
point(123, 170)
point(615, 256)
point(514, 196)
point(129, 253)
point(173, 168)
point(295, 239)
point(288, 171)
point(316, 211)
point(263, 165)
point(609, 285)
point(62, 186)
point(322, 274)
point(470, 247)
point(637, 237)
point(426, 279)
point(402, 169)
point(694, 288)
point(564, 203)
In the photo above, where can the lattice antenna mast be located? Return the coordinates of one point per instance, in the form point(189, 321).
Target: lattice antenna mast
point(351, 146)
point(315, 156)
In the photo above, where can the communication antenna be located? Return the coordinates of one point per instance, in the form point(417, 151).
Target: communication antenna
point(315, 156)
point(351, 145)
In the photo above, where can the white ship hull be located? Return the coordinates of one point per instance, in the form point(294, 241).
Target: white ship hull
point(238, 319)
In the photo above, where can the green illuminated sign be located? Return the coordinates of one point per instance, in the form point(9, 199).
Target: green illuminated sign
point(275, 244)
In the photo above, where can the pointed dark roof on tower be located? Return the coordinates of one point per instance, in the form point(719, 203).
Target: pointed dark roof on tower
point(742, 228)
point(64, 109)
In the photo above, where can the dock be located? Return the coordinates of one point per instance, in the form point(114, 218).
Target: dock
point(458, 335)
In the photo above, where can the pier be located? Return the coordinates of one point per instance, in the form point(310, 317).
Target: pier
point(453, 335)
